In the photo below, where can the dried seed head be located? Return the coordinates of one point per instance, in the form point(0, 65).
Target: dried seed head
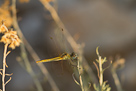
point(3, 29)
point(11, 39)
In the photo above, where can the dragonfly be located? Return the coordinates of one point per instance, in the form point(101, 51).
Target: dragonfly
point(64, 56)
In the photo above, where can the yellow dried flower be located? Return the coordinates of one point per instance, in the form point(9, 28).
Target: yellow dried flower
point(11, 39)
point(3, 29)
point(12, 46)
point(5, 40)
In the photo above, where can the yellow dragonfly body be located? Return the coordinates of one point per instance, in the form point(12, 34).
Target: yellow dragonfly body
point(64, 56)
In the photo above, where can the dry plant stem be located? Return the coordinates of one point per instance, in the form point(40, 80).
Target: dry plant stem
point(8, 81)
point(69, 38)
point(4, 67)
point(97, 69)
point(101, 72)
point(29, 68)
point(33, 53)
point(116, 80)
point(80, 70)
point(42, 67)
point(23, 51)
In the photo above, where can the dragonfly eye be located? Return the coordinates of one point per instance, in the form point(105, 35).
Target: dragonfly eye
point(73, 56)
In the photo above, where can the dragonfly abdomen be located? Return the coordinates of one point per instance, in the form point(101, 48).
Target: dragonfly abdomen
point(50, 60)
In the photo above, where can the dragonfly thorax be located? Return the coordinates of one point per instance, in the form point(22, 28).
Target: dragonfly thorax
point(71, 56)
point(65, 56)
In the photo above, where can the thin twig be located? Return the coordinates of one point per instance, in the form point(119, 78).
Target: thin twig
point(23, 50)
point(97, 69)
point(75, 80)
point(69, 38)
point(8, 81)
point(34, 55)
point(80, 69)
point(8, 53)
point(114, 74)
point(0, 71)
point(9, 74)
point(101, 72)
point(116, 80)
point(4, 67)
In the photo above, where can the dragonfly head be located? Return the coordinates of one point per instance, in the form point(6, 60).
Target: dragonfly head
point(73, 56)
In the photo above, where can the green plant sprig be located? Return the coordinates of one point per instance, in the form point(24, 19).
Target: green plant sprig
point(102, 84)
